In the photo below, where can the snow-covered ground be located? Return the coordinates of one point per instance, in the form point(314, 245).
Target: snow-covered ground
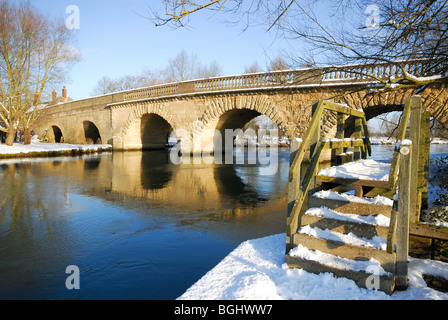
point(37, 146)
point(386, 140)
point(367, 169)
point(256, 270)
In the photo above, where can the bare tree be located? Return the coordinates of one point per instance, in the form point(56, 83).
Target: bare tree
point(209, 71)
point(351, 31)
point(104, 86)
point(186, 66)
point(183, 67)
point(107, 85)
point(152, 77)
point(278, 64)
point(34, 51)
point(253, 68)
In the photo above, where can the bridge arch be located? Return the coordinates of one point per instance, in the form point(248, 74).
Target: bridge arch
point(148, 127)
point(234, 112)
point(377, 103)
point(91, 133)
point(57, 134)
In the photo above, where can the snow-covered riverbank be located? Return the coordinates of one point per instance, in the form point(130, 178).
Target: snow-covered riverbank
point(386, 140)
point(40, 149)
point(256, 271)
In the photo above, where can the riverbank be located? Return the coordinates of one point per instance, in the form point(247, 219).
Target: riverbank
point(39, 149)
point(393, 141)
point(256, 270)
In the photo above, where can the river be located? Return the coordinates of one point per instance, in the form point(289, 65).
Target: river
point(134, 224)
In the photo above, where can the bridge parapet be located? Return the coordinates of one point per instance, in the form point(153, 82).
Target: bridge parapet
point(357, 73)
point(382, 71)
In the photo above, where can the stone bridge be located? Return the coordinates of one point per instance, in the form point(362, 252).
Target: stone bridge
point(144, 118)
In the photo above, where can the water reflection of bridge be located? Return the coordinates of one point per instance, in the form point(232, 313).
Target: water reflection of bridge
point(191, 186)
point(150, 176)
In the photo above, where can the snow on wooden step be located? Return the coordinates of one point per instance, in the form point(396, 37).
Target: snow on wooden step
point(328, 194)
point(367, 169)
point(376, 242)
point(324, 212)
point(337, 262)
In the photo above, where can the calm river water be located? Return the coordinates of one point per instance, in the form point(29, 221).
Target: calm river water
point(136, 226)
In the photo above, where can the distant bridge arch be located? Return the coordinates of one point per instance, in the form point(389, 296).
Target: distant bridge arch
point(57, 134)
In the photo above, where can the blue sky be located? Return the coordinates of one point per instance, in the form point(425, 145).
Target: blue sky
point(115, 40)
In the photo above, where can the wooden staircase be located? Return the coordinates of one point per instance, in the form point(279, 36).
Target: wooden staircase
point(353, 236)
point(342, 219)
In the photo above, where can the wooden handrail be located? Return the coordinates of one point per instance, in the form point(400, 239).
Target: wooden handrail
point(405, 192)
point(409, 158)
point(407, 163)
point(401, 136)
point(298, 189)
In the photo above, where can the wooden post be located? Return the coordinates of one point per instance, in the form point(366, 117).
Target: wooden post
point(358, 135)
point(401, 136)
point(294, 182)
point(423, 162)
point(340, 134)
point(296, 199)
point(315, 133)
point(404, 208)
point(414, 136)
point(315, 137)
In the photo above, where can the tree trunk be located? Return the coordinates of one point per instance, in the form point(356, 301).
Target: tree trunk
point(10, 139)
point(26, 136)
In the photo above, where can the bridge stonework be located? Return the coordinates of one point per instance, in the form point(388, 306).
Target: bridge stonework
point(144, 118)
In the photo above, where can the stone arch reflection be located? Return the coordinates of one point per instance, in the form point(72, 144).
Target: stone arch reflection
point(156, 170)
point(92, 163)
point(231, 185)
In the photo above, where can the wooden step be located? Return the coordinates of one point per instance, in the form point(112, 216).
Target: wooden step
point(361, 278)
point(352, 181)
point(358, 229)
point(328, 251)
point(349, 204)
point(349, 239)
point(347, 251)
point(368, 173)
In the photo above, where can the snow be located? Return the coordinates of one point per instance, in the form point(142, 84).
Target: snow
point(367, 169)
point(323, 212)
point(423, 79)
point(376, 242)
point(391, 141)
point(405, 142)
point(337, 262)
point(37, 146)
point(328, 194)
point(256, 270)
point(338, 140)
